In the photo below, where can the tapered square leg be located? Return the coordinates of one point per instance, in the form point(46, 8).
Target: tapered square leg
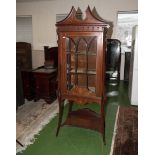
point(61, 109)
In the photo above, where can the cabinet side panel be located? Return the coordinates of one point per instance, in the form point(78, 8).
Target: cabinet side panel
point(99, 65)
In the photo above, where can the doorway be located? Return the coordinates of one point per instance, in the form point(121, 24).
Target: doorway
point(126, 20)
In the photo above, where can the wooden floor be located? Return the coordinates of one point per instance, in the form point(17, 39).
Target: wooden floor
point(126, 140)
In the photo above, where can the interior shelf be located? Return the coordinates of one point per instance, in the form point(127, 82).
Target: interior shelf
point(81, 53)
point(82, 71)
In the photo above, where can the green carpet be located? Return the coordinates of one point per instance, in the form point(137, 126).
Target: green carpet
point(77, 141)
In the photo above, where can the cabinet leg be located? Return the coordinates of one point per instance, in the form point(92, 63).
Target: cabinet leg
point(103, 123)
point(61, 109)
point(104, 139)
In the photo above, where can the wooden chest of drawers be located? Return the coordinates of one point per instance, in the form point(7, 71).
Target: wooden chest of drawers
point(45, 84)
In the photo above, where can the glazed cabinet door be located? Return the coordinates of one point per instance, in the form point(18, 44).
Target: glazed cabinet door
point(82, 59)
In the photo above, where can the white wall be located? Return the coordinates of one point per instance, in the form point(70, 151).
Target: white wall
point(44, 18)
point(24, 29)
point(133, 75)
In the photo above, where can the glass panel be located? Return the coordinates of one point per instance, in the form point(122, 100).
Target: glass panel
point(81, 62)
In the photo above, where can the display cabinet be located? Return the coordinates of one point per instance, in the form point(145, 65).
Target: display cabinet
point(81, 69)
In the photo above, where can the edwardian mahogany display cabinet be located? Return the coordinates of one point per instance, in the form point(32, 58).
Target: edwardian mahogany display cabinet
point(81, 69)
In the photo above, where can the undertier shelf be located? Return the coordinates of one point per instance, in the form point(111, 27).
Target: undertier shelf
point(84, 118)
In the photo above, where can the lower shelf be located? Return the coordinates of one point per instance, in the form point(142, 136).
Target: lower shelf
point(84, 118)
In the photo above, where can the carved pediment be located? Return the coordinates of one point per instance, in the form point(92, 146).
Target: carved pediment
point(90, 19)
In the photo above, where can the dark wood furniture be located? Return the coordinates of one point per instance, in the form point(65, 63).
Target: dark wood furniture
point(24, 55)
point(81, 69)
point(113, 59)
point(24, 65)
point(19, 88)
point(45, 84)
point(28, 84)
point(51, 57)
point(127, 66)
point(46, 76)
